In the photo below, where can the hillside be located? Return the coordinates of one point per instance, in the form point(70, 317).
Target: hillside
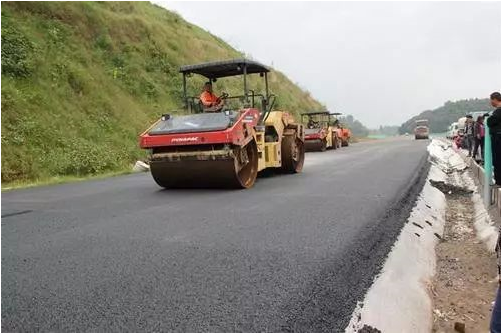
point(440, 118)
point(81, 80)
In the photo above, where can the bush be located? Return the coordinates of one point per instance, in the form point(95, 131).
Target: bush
point(103, 42)
point(18, 165)
point(77, 81)
point(81, 157)
point(16, 53)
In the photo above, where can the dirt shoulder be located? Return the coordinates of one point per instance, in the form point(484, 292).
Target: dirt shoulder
point(465, 280)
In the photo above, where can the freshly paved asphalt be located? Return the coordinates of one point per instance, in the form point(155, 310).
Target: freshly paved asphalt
point(293, 254)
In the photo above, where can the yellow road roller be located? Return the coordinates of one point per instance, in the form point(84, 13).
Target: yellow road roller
point(225, 144)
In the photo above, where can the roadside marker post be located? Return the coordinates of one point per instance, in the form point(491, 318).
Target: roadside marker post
point(487, 166)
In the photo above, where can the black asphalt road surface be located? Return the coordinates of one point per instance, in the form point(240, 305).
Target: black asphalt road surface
point(292, 254)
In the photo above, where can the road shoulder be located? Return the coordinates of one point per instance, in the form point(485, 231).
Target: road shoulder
point(441, 271)
point(466, 281)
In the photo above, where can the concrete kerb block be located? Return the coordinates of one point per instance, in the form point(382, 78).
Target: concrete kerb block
point(480, 175)
point(477, 173)
point(140, 166)
point(494, 197)
point(497, 194)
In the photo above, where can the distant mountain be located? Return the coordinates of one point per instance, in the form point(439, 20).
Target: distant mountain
point(440, 118)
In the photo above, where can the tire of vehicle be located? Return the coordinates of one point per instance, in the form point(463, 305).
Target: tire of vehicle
point(334, 141)
point(292, 154)
point(323, 147)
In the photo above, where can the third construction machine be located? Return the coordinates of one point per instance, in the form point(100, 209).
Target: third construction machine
point(344, 134)
point(226, 146)
point(321, 132)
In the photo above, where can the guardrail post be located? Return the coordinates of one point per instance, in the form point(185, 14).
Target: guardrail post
point(487, 166)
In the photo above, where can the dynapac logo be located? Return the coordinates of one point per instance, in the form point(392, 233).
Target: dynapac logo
point(187, 139)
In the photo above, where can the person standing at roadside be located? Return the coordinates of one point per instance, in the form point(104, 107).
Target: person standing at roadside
point(494, 123)
point(468, 133)
point(479, 133)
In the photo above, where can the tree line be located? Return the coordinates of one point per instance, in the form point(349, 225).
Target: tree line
point(440, 118)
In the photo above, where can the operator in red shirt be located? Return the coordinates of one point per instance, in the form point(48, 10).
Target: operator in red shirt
point(209, 100)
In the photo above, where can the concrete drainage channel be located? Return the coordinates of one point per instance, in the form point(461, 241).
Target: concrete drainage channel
point(401, 296)
point(398, 300)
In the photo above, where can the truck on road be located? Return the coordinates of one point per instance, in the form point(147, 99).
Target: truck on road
point(421, 131)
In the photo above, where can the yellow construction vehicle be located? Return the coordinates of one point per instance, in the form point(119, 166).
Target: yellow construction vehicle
point(320, 132)
point(224, 147)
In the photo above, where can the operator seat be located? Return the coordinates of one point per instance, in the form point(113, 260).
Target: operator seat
point(210, 109)
point(313, 124)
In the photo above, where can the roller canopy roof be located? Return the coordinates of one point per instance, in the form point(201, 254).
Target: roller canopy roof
point(217, 69)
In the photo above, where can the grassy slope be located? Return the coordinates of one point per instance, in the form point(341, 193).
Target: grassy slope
point(81, 80)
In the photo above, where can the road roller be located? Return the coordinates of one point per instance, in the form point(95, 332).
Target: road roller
point(320, 131)
point(227, 144)
point(344, 134)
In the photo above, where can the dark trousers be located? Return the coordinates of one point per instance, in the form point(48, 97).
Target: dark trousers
point(496, 314)
point(478, 143)
point(496, 157)
point(469, 143)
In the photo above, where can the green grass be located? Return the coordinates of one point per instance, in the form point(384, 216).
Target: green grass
point(81, 80)
point(60, 180)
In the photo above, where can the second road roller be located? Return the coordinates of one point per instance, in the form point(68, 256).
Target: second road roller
point(321, 130)
point(223, 142)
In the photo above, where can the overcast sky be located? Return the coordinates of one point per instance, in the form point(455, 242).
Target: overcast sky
point(383, 62)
